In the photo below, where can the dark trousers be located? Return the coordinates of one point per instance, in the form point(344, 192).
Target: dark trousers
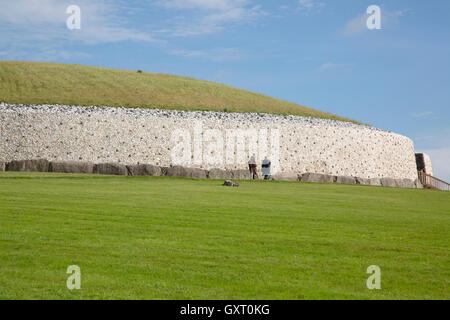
point(253, 172)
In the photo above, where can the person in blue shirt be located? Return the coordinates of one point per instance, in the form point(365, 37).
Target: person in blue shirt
point(266, 168)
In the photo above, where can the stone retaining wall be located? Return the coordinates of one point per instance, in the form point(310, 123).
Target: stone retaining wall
point(41, 165)
point(296, 145)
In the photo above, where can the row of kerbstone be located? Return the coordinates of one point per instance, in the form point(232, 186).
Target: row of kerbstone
point(325, 178)
point(42, 165)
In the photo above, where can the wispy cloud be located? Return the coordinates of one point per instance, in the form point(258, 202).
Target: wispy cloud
point(310, 6)
point(215, 54)
point(203, 4)
point(422, 114)
point(101, 20)
point(356, 25)
point(35, 27)
point(330, 65)
point(209, 16)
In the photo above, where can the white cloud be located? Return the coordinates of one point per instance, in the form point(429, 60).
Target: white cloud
point(32, 11)
point(222, 5)
point(331, 65)
point(215, 55)
point(310, 6)
point(208, 17)
point(422, 115)
point(356, 26)
point(38, 27)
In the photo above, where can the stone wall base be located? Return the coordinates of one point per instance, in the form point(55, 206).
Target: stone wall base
point(42, 165)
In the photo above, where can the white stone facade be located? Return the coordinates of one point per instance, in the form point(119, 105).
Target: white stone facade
point(428, 165)
point(130, 136)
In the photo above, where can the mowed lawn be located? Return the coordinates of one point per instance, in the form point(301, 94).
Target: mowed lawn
point(176, 238)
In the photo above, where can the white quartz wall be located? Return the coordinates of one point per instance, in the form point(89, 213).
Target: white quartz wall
point(428, 165)
point(129, 136)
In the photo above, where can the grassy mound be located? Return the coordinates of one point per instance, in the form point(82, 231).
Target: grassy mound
point(51, 83)
point(175, 238)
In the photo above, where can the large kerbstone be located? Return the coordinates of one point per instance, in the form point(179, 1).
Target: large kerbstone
point(389, 182)
point(229, 174)
point(363, 181)
point(111, 168)
point(286, 177)
point(220, 174)
point(71, 167)
point(241, 174)
point(317, 177)
point(418, 184)
point(346, 180)
point(178, 171)
point(406, 183)
point(37, 165)
point(375, 182)
point(144, 170)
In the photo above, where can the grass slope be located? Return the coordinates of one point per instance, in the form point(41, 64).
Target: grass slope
point(51, 83)
point(158, 238)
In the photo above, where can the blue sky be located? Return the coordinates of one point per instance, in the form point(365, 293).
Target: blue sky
point(316, 53)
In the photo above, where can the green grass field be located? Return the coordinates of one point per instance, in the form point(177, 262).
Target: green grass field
point(176, 238)
point(51, 83)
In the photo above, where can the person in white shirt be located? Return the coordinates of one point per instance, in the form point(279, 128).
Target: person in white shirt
point(252, 167)
point(266, 168)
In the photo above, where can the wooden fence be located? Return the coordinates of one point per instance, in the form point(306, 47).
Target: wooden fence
point(433, 182)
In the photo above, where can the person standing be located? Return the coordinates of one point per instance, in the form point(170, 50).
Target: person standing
point(266, 168)
point(252, 167)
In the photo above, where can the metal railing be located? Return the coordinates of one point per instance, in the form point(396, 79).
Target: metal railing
point(433, 182)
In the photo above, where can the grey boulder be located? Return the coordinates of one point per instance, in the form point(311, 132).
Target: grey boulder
point(178, 171)
point(418, 184)
point(388, 182)
point(362, 181)
point(111, 169)
point(406, 183)
point(240, 174)
point(220, 174)
point(144, 170)
point(71, 167)
point(346, 180)
point(317, 177)
point(37, 165)
point(375, 182)
point(286, 177)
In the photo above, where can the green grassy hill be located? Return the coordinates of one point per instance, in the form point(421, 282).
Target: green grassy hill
point(51, 83)
point(175, 238)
